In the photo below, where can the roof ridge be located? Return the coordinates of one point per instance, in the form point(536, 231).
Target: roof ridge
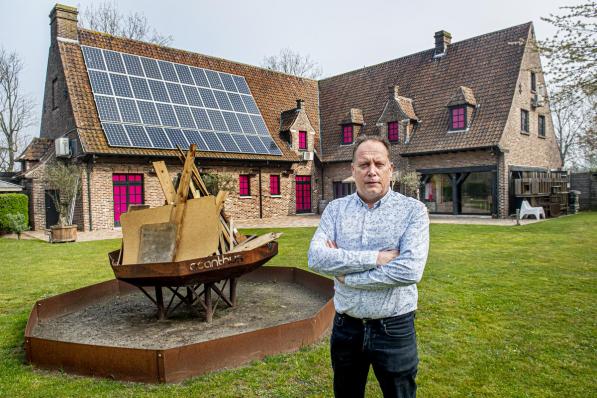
point(95, 32)
point(428, 50)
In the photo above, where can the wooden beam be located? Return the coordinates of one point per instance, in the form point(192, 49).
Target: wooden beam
point(165, 181)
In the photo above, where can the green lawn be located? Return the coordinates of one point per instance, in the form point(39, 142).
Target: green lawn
point(503, 312)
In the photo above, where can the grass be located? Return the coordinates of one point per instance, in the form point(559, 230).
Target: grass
point(503, 312)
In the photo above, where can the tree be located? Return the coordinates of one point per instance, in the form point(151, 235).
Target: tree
point(105, 17)
point(572, 52)
point(63, 180)
point(574, 125)
point(293, 63)
point(16, 109)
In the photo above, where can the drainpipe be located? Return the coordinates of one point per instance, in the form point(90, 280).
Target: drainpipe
point(260, 196)
point(88, 168)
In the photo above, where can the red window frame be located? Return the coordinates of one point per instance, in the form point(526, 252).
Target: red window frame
point(457, 118)
point(302, 140)
point(274, 185)
point(127, 189)
point(303, 194)
point(244, 185)
point(393, 131)
point(347, 134)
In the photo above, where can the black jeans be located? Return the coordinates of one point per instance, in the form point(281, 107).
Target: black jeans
point(388, 344)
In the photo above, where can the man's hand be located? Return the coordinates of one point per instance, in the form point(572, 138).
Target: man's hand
point(385, 256)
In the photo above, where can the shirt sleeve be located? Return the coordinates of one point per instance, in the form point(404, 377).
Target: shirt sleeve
point(331, 261)
point(408, 267)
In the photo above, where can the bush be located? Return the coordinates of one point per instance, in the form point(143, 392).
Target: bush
point(13, 203)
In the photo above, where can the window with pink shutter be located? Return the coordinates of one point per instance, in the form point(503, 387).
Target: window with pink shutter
point(127, 190)
point(302, 140)
point(244, 186)
point(393, 131)
point(274, 185)
point(347, 135)
point(458, 118)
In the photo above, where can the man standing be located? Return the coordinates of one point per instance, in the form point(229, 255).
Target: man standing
point(375, 244)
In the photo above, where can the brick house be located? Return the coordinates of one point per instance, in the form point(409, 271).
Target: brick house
point(464, 115)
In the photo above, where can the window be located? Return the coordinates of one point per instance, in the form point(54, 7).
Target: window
point(457, 118)
point(55, 93)
point(127, 190)
point(302, 140)
point(244, 185)
point(393, 131)
point(541, 126)
point(533, 82)
point(342, 189)
point(347, 136)
point(524, 121)
point(274, 185)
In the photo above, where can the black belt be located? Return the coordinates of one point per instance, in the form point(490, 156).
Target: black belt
point(365, 321)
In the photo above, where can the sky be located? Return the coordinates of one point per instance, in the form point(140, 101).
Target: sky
point(339, 35)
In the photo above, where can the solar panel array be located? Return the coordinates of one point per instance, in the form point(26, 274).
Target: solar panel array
point(148, 103)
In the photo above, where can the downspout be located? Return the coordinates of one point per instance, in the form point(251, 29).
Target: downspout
point(88, 168)
point(260, 196)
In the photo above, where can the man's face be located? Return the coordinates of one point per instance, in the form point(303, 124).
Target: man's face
point(372, 171)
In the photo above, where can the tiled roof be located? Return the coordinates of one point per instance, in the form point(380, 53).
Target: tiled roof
point(36, 149)
point(406, 105)
point(6, 186)
point(274, 92)
point(488, 64)
point(463, 96)
point(354, 116)
point(287, 119)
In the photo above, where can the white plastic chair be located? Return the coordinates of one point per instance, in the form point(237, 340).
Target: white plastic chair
point(527, 210)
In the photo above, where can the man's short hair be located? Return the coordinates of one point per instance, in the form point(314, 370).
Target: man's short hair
point(364, 138)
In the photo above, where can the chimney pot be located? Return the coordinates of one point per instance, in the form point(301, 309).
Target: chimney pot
point(442, 41)
point(300, 104)
point(393, 92)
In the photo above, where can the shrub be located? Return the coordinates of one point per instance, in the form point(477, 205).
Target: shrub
point(17, 224)
point(13, 203)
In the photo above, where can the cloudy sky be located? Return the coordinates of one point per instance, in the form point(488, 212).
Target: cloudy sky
point(339, 35)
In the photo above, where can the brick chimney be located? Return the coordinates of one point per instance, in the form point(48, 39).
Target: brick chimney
point(393, 92)
point(63, 22)
point(300, 104)
point(442, 41)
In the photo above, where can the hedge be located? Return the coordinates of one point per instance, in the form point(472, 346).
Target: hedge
point(13, 203)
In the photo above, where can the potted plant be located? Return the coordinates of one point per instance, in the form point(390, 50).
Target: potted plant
point(63, 180)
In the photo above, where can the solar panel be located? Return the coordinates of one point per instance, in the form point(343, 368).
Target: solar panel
point(116, 135)
point(128, 110)
point(158, 137)
point(177, 138)
point(137, 136)
point(194, 137)
point(106, 107)
point(140, 88)
point(166, 112)
point(184, 116)
point(149, 114)
point(93, 58)
point(121, 85)
point(176, 94)
point(144, 102)
point(100, 82)
point(223, 101)
point(133, 65)
point(243, 143)
point(211, 139)
point(237, 102)
point(114, 61)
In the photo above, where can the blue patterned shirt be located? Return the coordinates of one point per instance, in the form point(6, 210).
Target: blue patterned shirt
point(360, 232)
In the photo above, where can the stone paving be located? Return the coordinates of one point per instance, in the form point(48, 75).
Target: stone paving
point(309, 220)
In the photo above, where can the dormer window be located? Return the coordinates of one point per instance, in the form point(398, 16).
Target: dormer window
point(393, 131)
point(302, 140)
point(347, 134)
point(458, 118)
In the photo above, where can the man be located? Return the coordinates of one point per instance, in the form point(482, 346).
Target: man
point(375, 244)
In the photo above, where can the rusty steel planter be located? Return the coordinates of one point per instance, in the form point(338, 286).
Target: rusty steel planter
point(179, 363)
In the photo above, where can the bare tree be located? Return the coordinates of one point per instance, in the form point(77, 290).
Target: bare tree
point(16, 109)
point(571, 54)
point(105, 17)
point(293, 63)
point(573, 118)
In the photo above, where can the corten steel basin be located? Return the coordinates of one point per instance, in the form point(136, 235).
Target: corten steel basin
point(181, 362)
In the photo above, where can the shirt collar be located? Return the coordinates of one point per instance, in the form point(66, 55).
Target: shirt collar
point(376, 204)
